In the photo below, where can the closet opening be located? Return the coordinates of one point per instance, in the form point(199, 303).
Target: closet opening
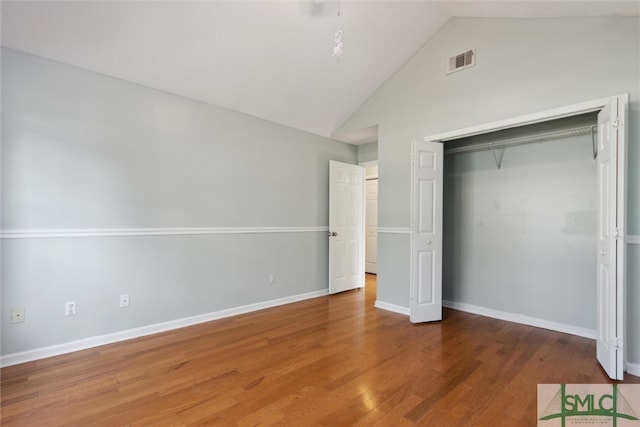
point(520, 210)
point(538, 270)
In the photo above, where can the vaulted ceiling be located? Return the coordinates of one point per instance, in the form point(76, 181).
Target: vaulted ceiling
point(271, 60)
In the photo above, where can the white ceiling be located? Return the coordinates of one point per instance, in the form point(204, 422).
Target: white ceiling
point(268, 59)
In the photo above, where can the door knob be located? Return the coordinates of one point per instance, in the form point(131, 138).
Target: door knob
point(332, 234)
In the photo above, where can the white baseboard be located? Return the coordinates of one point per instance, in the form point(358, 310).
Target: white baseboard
point(83, 344)
point(520, 318)
point(392, 307)
point(502, 315)
point(633, 369)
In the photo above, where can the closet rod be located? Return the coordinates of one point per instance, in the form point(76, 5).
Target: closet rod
point(512, 142)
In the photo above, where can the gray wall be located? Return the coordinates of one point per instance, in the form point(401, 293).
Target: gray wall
point(84, 151)
point(368, 152)
point(523, 66)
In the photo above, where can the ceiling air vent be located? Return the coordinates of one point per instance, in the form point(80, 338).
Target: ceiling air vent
point(461, 61)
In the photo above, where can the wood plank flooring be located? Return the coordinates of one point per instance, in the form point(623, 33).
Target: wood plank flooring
point(334, 361)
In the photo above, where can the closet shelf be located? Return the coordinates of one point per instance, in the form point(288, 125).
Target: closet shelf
point(513, 142)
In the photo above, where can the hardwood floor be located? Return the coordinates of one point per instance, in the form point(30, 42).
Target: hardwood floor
point(334, 361)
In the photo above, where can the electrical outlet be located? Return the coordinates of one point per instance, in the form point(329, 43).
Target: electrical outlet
point(124, 300)
point(17, 315)
point(70, 308)
point(272, 278)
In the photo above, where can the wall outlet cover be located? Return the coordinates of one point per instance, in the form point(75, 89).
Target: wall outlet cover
point(70, 308)
point(17, 315)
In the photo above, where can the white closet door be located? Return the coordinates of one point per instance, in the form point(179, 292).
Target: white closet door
point(610, 299)
point(426, 234)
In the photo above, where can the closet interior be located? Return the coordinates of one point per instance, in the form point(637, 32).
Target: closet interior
point(520, 212)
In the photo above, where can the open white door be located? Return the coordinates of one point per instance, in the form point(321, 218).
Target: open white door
point(611, 212)
point(346, 227)
point(426, 231)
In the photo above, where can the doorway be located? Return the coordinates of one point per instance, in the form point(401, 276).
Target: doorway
point(368, 159)
point(371, 217)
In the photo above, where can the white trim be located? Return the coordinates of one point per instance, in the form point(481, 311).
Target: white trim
point(528, 119)
point(520, 318)
point(83, 344)
point(633, 239)
point(392, 307)
point(394, 230)
point(129, 232)
point(633, 369)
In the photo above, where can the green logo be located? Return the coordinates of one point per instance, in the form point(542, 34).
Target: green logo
point(588, 406)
